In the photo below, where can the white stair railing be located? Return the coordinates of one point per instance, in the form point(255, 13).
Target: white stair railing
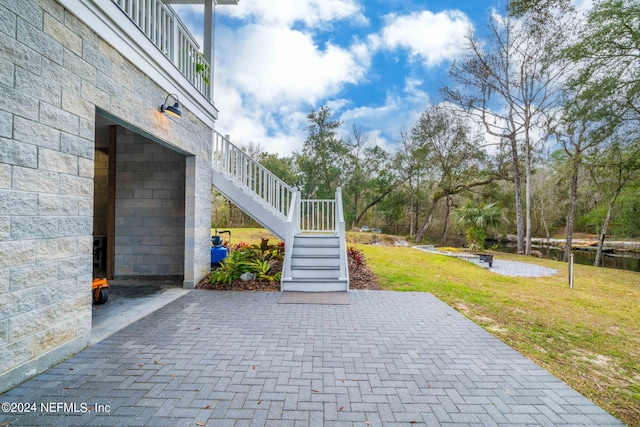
point(341, 231)
point(165, 29)
point(318, 216)
point(251, 176)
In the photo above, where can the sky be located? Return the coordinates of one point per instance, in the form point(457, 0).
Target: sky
point(377, 64)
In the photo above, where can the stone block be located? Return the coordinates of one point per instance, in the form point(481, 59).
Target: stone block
point(94, 57)
point(81, 29)
point(30, 323)
point(87, 129)
point(57, 205)
point(77, 146)
point(7, 73)
point(85, 168)
point(4, 334)
point(76, 185)
point(18, 203)
point(96, 96)
point(76, 226)
point(5, 276)
point(31, 34)
point(35, 180)
point(85, 245)
point(23, 106)
point(53, 337)
point(30, 276)
point(33, 227)
point(58, 248)
point(123, 77)
point(8, 21)
point(78, 106)
point(6, 124)
point(53, 8)
point(20, 54)
point(62, 77)
point(5, 175)
point(28, 13)
point(18, 153)
point(17, 253)
point(35, 133)
point(16, 303)
point(53, 116)
point(61, 34)
point(38, 87)
point(85, 206)
point(81, 264)
point(16, 353)
point(5, 227)
point(57, 161)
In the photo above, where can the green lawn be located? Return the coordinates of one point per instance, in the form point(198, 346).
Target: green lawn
point(589, 336)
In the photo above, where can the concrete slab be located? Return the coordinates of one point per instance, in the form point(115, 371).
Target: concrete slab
point(239, 358)
point(129, 301)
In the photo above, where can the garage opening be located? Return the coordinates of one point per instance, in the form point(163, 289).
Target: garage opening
point(139, 219)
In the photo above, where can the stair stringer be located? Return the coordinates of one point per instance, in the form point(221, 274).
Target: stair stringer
point(264, 214)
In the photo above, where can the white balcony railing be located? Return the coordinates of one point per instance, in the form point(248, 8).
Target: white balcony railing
point(166, 31)
point(251, 176)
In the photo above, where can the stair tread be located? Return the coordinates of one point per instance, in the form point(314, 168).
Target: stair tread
point(315, 279)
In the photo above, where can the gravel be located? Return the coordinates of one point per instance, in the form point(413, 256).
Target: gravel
point(520, 269)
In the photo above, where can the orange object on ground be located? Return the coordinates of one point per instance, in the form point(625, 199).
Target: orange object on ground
point(100, 290)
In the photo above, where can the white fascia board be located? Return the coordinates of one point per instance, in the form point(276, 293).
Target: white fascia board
point(114, 26)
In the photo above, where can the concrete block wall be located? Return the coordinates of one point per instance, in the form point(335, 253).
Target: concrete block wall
point(55, 73)
point(150, 208)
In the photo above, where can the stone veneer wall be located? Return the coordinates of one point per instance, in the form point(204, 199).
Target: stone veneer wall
point(150, 210)
point(54, 73)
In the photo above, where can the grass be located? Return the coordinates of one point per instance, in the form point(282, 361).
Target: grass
point(588, 336)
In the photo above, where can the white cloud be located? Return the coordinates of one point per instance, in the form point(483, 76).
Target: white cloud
point(432, 37)
point(399, 112)
point(312, 13)
point(281, 65)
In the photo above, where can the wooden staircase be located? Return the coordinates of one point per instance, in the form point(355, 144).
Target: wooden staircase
point(313, 230)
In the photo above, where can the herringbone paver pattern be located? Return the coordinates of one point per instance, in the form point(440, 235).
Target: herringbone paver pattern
point(240, 359)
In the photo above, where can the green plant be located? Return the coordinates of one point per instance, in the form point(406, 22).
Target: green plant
point(232, 267)
point(477, 219)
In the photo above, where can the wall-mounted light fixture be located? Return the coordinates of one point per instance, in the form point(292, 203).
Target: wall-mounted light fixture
point(172, 110)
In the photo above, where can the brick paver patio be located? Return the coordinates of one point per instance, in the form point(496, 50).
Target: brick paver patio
point(240, 359)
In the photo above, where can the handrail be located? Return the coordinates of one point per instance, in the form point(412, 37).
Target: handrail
point(164, 28)
point(292, 228)
point(254, 178)
point(341, 229)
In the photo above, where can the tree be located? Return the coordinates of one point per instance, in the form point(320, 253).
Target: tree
point(608, 53)
point(506, 85)
point(321, 164)
point(455, 158)
point(613, 169)
point(477, 220)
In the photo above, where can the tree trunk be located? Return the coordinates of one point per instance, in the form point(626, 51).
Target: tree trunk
point(518, 193)
point(573, 197)
point(527, 248)
point(449, 205)
point(425, 226)
point(603, 230)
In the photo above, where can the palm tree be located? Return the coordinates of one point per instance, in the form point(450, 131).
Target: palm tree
point(477, 220)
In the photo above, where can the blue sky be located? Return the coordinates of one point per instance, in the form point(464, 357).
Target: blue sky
point(377, 63)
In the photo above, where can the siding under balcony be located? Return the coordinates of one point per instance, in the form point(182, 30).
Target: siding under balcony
point(149, 35)
point(167, 32)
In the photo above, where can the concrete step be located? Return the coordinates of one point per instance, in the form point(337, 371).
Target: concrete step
point(314, 285)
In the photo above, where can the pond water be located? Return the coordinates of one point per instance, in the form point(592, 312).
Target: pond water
point(622, 260)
